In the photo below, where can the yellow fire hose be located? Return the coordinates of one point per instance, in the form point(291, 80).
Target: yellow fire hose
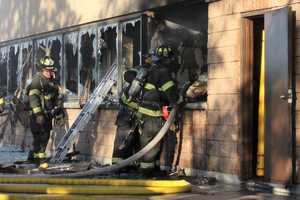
point(99, 182)
point(261, 113)
point(67, 197)
point(91, 190)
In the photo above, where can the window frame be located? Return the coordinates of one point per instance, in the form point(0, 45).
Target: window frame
point(34, 39)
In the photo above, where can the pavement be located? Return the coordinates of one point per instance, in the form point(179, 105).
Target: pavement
point(203, 188)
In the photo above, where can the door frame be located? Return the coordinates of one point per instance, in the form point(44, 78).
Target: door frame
point(246, 95)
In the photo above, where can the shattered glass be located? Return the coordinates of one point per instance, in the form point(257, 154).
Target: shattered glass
point(71, 65)
point(87, 63)
point(107, 55)
point(13, 61)
point(3, 69)
point(131, 47)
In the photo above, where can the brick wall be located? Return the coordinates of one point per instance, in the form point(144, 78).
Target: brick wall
point(223, 88)
point(193, 154)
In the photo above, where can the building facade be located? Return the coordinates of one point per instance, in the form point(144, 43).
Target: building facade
point(233, 133)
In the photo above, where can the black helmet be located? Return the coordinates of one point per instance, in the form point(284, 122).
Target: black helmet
point(47, 63)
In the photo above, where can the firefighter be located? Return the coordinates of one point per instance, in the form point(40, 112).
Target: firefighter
point(44, 105)
point(159, 90)
point(126, 140)
point(149, 88)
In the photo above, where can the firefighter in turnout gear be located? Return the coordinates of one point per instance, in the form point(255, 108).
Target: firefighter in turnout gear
point(44, 105)
point(126, 140)
point(159, 90)
point(150, 88)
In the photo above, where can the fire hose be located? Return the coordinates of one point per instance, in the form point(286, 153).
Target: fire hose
point(137, 186)
point(119, 165)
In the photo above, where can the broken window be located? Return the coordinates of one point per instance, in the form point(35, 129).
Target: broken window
point(81, 57)
point(50, 46)
point(107, 54)
point(71, 65)
point(13, 57)
point(3, 69)
point(87, 61)
point(189, 42)
point(25, 66)
point(131, 46)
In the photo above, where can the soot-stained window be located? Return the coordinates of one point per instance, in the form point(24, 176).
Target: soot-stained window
point(3, 70)
point(107, 48)
point(71, 64)
point(189, 41)
point(82, 58)
point(131, 43)
point(87, 61)
point(25, 67)
point(107, 54)
point(13, 61)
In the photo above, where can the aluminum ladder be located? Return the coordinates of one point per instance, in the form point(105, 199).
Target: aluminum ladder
point(85, 114)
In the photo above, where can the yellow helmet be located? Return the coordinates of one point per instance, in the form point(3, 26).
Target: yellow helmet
point(47, 63)
point(164, 51)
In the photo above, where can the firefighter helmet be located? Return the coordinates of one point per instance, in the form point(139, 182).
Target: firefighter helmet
point(164, 51)
point(47, 63)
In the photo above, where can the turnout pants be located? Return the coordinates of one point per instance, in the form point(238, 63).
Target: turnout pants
point(148, 129)
point(41, 134)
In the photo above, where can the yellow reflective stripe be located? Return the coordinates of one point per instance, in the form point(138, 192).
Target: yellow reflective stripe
point(129, 103)
point(34, 92)
point(149, 86)
point(166, 86)
point(133, 105)
point(146, 111)
point(49, 96)
point(39, 155)
point(2, 101)
point(37, 109)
